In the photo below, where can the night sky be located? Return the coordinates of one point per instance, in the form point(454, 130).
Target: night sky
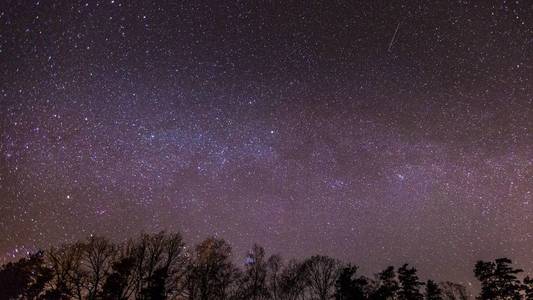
point(377, 132)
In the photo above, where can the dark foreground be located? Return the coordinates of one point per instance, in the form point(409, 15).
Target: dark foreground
point(160, 266)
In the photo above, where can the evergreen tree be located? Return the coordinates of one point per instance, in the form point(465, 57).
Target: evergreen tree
point(433, 291)
point(453, 291)
point(349, 286)
point(25, 278)
point(528, 288)
point(409, 284)
point(498, 280)
point(386, 286)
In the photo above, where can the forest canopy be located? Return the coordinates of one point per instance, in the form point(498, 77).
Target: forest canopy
point(161, 266)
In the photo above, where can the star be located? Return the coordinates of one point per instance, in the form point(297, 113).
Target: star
point(400, 137)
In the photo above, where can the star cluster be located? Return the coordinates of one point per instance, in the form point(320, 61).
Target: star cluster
point(375, 132)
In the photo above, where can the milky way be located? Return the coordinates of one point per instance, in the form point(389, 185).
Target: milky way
point(376, 133)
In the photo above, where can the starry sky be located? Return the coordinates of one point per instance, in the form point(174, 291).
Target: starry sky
point(378, 132)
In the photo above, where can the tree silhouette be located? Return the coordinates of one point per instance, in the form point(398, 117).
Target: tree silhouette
point(253, 284)
point(98, 256)
point(453, 291)
point(211, 273)
point(321, 273)
point(69, 276)
point(116, 284)
point(293, 284)
point(409, 284)
point(156, 287)
point(385, 286)
point(433, 291)
point(25, 278)
point(162, 253)
point(274, 267)
point(528, 288)
point(349, 286)
point(159, 267)
point(166, 264)
point(498, 279)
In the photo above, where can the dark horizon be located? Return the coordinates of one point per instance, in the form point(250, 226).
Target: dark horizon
point(377, 133)
point(162, 266)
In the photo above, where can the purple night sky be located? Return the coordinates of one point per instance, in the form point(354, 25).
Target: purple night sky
point(377, 132)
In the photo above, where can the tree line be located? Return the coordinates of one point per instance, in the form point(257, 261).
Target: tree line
point(160, 266)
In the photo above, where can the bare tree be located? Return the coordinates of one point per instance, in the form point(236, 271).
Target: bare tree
point(119, 284)
point(252, 285)
point(274, 268)
point(321, 273)
point(97, 259)
point(166, 265)
point(293, 283)
point(211, 272)
point(153, 264)
point(175, 264)
point(158, 266)
point(146, 266)
point(69, 277)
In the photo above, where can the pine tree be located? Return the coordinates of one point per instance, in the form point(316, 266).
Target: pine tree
point(409, 284)
point(528, 288)
point(25, 278)
point(498, 280)
point(433, 291)
point(349, 286)
point(386, 286)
